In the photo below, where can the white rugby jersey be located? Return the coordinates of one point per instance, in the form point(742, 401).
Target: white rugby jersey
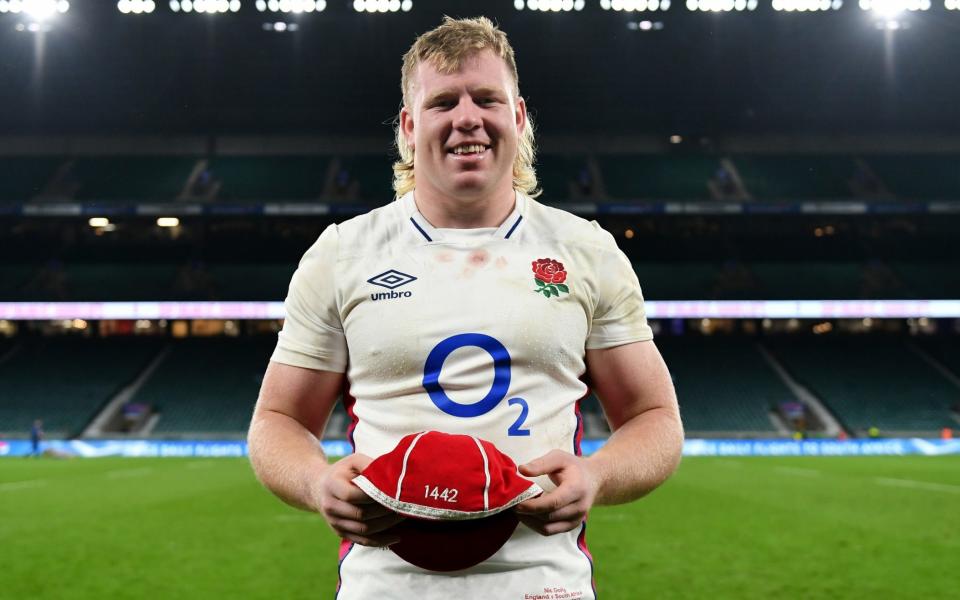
point(481, 332)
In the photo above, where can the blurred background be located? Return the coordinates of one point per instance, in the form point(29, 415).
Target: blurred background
point(785, 178)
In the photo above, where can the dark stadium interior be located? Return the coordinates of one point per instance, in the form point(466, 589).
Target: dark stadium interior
point(702, 74)
point(735, 157)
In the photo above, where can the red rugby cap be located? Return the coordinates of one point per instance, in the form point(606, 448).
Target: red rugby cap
point(457, 489)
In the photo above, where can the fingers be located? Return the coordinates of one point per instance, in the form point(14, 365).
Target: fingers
point(549, 527)
point(350, 512)
point(550, 502)
point(551, 462)
point(338, 509)
point(374, 532)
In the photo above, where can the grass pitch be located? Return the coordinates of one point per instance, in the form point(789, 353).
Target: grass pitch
point(886, 527)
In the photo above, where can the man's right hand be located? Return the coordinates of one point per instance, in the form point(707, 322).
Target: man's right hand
point(350, 512)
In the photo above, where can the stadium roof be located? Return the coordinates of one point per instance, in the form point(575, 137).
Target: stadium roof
point(97, 70)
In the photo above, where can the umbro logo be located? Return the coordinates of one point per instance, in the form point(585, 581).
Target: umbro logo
point(391, 280)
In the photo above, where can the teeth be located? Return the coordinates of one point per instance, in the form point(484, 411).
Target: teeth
point(470, 149)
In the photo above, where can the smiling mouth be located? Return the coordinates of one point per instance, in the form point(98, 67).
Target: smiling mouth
point(469, 150)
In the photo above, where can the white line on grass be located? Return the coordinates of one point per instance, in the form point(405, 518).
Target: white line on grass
point(919, 485)
point(12, 486)
point(121, 473)
point(798, 471)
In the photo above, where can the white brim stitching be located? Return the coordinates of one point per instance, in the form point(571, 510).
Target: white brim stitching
point(439, 514)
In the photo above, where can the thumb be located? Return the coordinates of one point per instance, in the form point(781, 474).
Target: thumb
point(357, 462)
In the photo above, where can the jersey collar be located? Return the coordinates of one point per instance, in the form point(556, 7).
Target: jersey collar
point(428, 233)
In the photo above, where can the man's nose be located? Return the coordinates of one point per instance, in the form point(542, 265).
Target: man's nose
point(467, 116)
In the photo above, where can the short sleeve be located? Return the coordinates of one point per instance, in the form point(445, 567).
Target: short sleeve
point(312, 335)
point(620, 317)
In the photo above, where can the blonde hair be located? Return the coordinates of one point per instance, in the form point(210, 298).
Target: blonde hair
point(447, 47)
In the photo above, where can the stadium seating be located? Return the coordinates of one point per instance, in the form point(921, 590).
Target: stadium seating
point(21, 178)
point(870, 381)
point(373, 176)
point(796, 177)
point(928, 280)
point(251, 281)
point(556, 174)
point(119, 282)
point(722, 383)
point(676, 281)
point(919, 176)
point(66, 380)
point(946, 351)
point(270, 178)
point(14, 279)
point(652, 176)
point(131, 178)
point(207, 384)
point(808, 280)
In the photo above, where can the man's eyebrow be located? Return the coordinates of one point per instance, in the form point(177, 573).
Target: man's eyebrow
point(477, 91)
point(440, 94)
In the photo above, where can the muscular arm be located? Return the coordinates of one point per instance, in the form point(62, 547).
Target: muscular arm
point(285, 451)
point(637, 395)
point(283, 440)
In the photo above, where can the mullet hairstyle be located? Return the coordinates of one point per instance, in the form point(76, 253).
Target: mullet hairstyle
point(447, 47)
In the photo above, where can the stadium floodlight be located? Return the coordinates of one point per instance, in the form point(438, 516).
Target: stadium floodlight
point(549, 5)
point(806, 5)
point(721, 5)
point(382, 6)
point(635, 5)
point(210, 7)
point(292, 6)
point(38, 10)
point(168, 222)
point(891, 8)
point(281, 27)
point(136, 6)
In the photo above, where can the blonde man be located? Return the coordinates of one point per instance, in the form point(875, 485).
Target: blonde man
point(466, 306)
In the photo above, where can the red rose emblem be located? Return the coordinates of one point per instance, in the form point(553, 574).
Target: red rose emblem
point(548, 270)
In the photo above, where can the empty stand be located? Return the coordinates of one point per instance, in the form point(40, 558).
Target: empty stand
point(370, 178)
point(66, 380)
point(870, 381)
point(919, 176)
point(651, 176)
point(251, 281)
point(270, 178)
point(22, 178)
point(722, 383)
point(131, 178)
point(808, 280)
point(677, 281)
point(796, 177)
point(207, 384)
point(929, 279)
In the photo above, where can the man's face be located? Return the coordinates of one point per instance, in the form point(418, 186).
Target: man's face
point(464, 127)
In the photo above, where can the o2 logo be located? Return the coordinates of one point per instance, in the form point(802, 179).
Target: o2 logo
point(498, 391)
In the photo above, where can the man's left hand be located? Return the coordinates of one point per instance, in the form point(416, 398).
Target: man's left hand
point(564, 508)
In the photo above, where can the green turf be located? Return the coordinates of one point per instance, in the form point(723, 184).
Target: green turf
point(886, 527)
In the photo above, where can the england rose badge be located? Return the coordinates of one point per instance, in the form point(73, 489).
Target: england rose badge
point(550, 276)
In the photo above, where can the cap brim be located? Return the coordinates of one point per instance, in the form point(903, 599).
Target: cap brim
point(439, 514)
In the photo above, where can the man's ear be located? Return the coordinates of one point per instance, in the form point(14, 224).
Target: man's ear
point(521, 114)
point(406, 126)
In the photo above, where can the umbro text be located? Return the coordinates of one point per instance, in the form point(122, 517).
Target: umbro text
point(390, 295)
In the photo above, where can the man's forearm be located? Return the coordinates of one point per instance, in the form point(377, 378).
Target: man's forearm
point(639, 456)
point(286, 457)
